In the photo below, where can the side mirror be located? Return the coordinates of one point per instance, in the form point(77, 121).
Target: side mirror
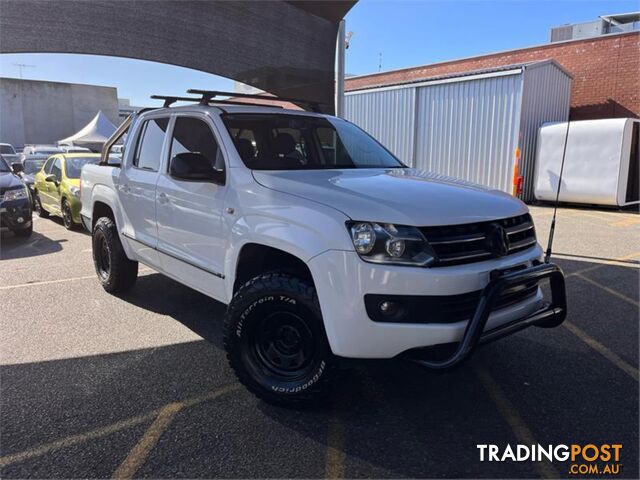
point(17, 167)
point(50, 178)
point(114, 160)
point(195, 167)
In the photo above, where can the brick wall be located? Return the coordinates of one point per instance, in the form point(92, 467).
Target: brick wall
point(605, 70)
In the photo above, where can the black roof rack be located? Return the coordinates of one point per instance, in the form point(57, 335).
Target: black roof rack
point(209, 95)
point(170, 100)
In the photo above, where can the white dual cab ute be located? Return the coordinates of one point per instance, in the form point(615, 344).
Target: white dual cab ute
point(322, 244)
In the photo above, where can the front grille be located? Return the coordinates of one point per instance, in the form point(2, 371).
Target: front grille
point(442, 309)
point(468, 243)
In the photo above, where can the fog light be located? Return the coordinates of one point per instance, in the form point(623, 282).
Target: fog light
point(20, 220)
point(388, 308)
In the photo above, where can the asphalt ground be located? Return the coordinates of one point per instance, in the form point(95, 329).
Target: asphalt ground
point(96, 386)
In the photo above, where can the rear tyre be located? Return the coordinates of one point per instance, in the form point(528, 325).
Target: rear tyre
point(67, 216)
point(24, 232)
point(37, 205)
point(275, 341)
point(116, 272)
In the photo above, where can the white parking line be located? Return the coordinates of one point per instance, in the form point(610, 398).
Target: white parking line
point(60, 280)
point(47, 282)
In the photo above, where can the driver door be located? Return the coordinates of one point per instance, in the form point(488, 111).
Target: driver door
point(40, 183)
point(191, 231)
point(51, 194)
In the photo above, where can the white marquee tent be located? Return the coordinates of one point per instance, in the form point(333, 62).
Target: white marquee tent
point(93, 135)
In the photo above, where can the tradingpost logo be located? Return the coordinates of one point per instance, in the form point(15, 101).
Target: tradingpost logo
point(588, 459)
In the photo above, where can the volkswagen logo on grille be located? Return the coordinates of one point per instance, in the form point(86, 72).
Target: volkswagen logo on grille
point(497, 240)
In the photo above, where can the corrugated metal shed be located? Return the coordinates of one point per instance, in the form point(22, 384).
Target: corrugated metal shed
point(467, 125)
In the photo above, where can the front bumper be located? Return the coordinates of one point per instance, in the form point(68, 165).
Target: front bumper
point(342, 280)
point(16, 214)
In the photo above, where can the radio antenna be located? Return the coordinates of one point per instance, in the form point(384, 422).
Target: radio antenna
point(552, 230)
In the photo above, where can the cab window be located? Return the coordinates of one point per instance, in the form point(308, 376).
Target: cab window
point(149, 148)
point(194, 135)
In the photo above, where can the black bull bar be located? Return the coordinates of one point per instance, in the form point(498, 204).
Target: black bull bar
point(551, 314)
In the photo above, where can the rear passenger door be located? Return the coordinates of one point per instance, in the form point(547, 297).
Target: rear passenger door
point(192, 235)
point(137, 187)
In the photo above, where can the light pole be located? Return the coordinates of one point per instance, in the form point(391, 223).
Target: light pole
point(21, 66)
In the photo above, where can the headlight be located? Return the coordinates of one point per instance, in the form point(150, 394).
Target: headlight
point(16, 194)
point(364, 237)
point(75, 191)
point(391, 244)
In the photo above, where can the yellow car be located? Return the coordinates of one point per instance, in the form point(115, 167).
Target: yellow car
point(57, 186)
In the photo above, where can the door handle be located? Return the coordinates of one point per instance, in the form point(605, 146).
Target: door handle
point(162, 198)
point(125, 188)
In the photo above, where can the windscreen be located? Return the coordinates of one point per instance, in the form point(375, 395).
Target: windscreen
point(46, 152)
point(3, 166)
point(296, 142)
point(74, 165)
point(33, 166)
point(7, 149)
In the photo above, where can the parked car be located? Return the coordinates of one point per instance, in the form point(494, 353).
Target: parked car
point(30, 166)
point(322, 243)
point(41, 150)
point(57, 186)
point(8, 152)
point(15, 205)
point(74, 149)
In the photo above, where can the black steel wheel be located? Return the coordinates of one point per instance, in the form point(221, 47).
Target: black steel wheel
point(275, 340)
point(282, 344)
point(102, 258)
point(115, 271)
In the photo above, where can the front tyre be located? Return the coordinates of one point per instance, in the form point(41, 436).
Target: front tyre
point(275, 340)
point(115, 271)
